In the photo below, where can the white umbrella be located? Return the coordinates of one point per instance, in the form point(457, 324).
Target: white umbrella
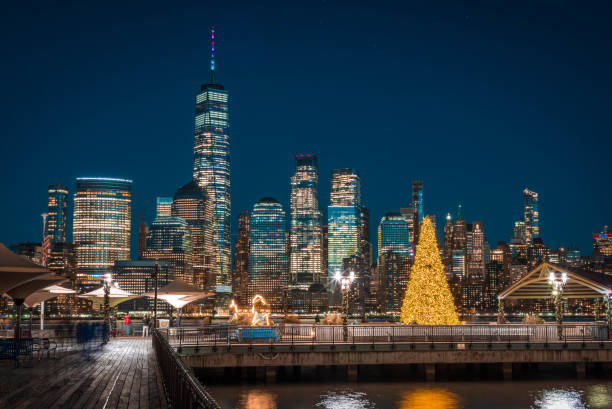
point(178, 294)
point(40, 296)
point(116, 295)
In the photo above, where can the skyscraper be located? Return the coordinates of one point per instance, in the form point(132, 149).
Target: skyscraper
point(268, 253)
point(459, 252)
point(143, 229)
point(240, 274)
point(531, 216)
point(447, 256)
point(211, 167)
point(417, 206)
point(194, 205)
point(344, 218)
point(394, 235)
point(169, 240)
point(476, 264)
point(366, 245)
point(56, 221)
point(101, 226)
point(164, 207)
point(305, 237)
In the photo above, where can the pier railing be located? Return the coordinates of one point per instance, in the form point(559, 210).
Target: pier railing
point(384, 334)
point(183, 390)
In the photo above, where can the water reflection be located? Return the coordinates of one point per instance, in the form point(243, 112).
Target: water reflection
point(559, 399)
point(345, 399)
point(258, 400)
point(599, 396)
point(430, 398)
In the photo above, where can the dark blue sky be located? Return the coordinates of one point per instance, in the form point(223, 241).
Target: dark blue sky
point(478, 100)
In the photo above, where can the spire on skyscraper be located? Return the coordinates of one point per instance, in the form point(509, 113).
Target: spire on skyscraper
point(212, 54)
point(459, 213)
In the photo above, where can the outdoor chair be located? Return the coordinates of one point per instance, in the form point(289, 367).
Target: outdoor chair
point(41, 345)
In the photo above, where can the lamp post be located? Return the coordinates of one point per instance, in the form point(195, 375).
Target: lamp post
point(154, 276)
point(345, 285)
point(557, 284)
point(107, 283)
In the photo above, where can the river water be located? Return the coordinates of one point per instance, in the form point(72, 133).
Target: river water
point(537, 394)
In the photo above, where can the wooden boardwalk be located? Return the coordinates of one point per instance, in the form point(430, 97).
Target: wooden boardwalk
point(121, 374)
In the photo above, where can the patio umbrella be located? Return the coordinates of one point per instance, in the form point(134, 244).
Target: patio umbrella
point(16, 270)
point(21, 291)
point(46, 293)
point(178, 294)
point(115, 296)
point(40, 296)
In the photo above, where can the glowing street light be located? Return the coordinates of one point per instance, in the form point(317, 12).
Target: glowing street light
point(557, 284)
point(345, 284)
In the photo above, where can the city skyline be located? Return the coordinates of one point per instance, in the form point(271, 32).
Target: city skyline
point(495, 199)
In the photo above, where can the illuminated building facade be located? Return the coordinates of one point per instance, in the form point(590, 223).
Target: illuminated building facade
point(408, 213)
point(344, 219)
point(31, 251)
point(531, 216)
point(603, 242)
point(365, 244)
point(394, 235)
point(56, 221)
point(101, 226)
point(447, 256)
point(135, 277)
point(305, 236)
point(169, 240)
point(459, 247)
point(476, 262)
point(240, 274)
point(417, 206)
point(163, 207)
point(268, 253)
point(211, 167)
point(393, 274)
point(194, 205)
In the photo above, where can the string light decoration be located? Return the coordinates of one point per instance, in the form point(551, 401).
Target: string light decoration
point(428, 299)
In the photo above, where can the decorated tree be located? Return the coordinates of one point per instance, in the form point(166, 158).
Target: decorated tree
point(428, 299)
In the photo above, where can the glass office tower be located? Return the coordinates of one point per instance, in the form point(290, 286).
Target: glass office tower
point(394, 235)
point(531, 216)
point(169, 239)
point(344, 219)
point(101, 226)
point(56, 221)
point(268, 253)
point(305, 236)
point(164, 207)
point(211, 166)
point(194, 205)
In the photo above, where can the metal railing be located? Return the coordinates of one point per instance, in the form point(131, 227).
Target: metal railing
point(219, 335)
point(183, 390)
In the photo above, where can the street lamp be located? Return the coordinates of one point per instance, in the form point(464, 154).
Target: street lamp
point(345, 285)
point(154, 276)
point(557, 283)
point(107, 283)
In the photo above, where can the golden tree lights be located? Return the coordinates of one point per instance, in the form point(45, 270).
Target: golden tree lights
point(428, 299)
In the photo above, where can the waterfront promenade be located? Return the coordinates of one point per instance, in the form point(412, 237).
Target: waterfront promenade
point(120, 374)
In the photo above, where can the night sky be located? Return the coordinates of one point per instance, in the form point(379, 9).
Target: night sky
point(479, 101)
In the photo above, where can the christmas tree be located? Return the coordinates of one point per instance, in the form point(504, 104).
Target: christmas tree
point(428, 299)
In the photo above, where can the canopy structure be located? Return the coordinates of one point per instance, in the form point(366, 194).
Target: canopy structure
point(178, 293)
point(45, 294)
point(580, 284)
point(116, 295)
point(24, 290)
point(16, 270)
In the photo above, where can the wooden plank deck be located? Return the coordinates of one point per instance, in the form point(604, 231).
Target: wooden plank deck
point(121, 374)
